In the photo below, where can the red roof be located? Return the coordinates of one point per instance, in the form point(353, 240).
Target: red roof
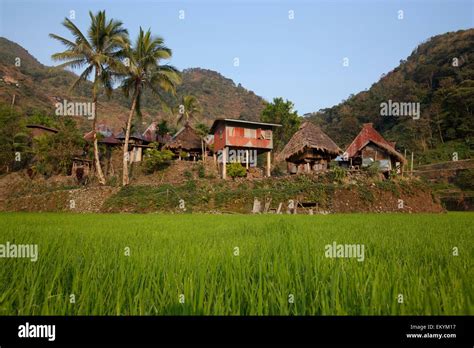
point(369, 134)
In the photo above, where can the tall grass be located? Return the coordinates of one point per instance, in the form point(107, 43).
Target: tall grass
point(194, 255)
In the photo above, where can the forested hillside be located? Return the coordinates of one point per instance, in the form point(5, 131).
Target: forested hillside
point(439, 74)
point(37, 87)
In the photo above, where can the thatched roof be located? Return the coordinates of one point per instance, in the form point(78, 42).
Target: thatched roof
point(369, 135)
point(186, 139)
point(309, 136)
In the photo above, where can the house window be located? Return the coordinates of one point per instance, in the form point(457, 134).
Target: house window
point(220, 134)
point(250, 133)
point(267, 134)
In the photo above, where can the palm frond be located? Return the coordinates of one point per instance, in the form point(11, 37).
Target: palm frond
point(83, 77)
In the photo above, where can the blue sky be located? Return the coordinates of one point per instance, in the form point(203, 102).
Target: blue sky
point(300, 59)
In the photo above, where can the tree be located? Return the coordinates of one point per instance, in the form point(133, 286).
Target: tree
point(281, 112)
point(54, 153)
point(163, 128)
point(10, 140)
point(156, 159)
point(142, 70)
point(188, 109)
point(99, 52)
point(203, 131)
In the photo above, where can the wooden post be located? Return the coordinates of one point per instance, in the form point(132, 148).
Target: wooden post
point(412, 163)
point(269, 163)
point(403, 171)
point(247, 159)
point(224, 163)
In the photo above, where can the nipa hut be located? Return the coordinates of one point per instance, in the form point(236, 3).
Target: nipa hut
point(186, 140)
point(370, 147)
point(309, 149)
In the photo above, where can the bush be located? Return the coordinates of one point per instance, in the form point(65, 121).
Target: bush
point(54, 153)
point(155, 159)
point(338, 174)
point(372, 170)
point(236, 170)
point(201, 171)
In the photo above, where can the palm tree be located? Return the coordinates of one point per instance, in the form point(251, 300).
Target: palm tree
point(203, 130)
point(99, 52)
point(188, 109)
point(143, 70)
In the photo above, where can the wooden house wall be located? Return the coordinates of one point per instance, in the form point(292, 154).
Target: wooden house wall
point(251, 136)
point(375, 152)
point(310, 155)
point(238, 136)
point(219, 137)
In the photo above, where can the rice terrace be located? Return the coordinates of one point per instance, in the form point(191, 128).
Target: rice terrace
point(196, 264)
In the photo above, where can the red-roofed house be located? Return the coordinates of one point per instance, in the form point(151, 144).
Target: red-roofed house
point(369, 147)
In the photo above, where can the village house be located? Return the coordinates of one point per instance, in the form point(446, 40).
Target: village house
point(309, 150)
point(152, 135)
point(370, 147)
point(186, 140)
point(106, 138)
point(241, 141)
point(136, 143)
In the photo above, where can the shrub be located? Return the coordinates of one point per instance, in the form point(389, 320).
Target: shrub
point(236, 170)
point(201, 171)
point(372, 170)
point(155, 159)
point(54, 153)
point(366, 194)
point(338, 174)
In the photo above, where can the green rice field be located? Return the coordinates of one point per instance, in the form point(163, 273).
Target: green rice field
point(191, 264)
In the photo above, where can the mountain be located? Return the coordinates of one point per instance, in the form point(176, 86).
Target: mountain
point(439, 75)
point(35, 88)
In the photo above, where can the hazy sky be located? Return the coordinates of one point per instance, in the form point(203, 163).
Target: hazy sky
point(300, 59)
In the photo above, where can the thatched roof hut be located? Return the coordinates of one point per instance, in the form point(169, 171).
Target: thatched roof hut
point(186, 139)
point(369, 135)
point(309, 137)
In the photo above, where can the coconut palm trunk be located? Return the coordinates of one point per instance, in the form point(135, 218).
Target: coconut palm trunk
point(125, 176)
point(100, 173)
